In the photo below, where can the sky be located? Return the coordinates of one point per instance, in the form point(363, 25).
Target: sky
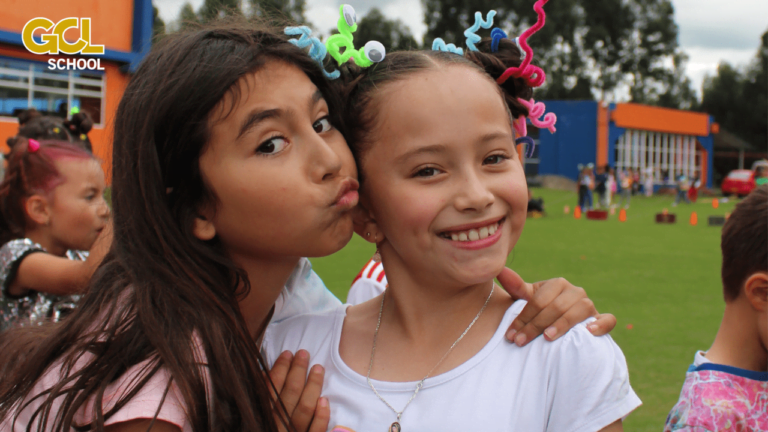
point(711, 31)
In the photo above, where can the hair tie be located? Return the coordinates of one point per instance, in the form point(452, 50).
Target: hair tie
point(497, 34)
point(372, 52)
point(34, 145)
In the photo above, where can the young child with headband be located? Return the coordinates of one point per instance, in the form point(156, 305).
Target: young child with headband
point(227, 174)
point(53, 209)
point(443, 197)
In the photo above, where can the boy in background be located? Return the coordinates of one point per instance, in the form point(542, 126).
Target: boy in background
point(726, 388)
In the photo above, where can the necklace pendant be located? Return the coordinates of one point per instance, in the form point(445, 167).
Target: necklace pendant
point(394, 427)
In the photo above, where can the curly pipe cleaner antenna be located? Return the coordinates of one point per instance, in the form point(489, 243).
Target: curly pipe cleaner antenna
point(533, 75)
point(536, 110)
point(471, 34)
point(372, 52)
point(497, 35)
point(530, 145)
point(440, 45)
point(316, 48)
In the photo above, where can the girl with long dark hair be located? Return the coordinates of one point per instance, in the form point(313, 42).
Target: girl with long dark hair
point(228, 171)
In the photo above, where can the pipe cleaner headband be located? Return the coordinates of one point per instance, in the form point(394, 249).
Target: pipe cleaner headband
point(372, 52)
point(533, 75)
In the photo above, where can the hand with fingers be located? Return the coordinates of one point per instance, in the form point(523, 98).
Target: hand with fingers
point(300, 394)
point(554, 307)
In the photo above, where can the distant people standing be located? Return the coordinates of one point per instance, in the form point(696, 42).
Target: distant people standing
point(693, 192)
point(586, 182)
point(635, 180)
point(601, 187)
point(611, 185)
point(761, 177)
point(648, 182)
point(625, 180)
point(682, 189)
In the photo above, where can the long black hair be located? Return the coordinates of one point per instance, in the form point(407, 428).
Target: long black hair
point(162, 297)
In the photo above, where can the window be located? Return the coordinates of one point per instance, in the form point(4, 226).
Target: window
point(25, 84)
point(663, 156)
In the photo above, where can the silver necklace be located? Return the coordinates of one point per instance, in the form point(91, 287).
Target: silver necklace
point(395, 427)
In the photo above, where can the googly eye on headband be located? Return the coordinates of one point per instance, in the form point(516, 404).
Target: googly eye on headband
point(372, 52)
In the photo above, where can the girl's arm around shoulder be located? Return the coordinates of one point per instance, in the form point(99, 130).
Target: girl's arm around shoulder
point(59, 275)
point(589, 387)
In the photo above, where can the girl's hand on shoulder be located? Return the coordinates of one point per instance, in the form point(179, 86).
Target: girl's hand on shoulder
point(554, 307)
point(300, 394)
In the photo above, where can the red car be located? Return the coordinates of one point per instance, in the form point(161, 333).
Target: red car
point(738, 182)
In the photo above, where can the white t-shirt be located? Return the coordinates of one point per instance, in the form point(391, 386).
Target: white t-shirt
point(578, 383)
point(369, 283)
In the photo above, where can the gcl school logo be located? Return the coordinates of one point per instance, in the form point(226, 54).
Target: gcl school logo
point(53, 42)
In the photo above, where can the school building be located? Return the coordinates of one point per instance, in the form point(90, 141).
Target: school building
point(664, 141)
point(123, 27)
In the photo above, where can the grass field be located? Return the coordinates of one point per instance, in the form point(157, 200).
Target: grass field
point(664, 280)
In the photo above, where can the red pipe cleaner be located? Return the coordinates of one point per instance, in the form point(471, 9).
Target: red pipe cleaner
point(533, 75)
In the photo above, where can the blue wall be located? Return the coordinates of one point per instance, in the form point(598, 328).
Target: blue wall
point(575, 141)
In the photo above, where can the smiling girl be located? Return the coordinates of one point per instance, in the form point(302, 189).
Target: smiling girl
point(444, 199)
point(228, 172)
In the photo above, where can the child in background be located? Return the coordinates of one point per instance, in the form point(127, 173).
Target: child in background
point(601, 187)
point(761, 177)
point(75, 130)
point(682, 189)
point(586, 182)
point(625, 179)
point(726, 388)
point(611, 186)
point(53, 209)
point(648, 182)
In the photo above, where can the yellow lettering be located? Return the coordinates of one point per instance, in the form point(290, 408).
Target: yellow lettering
point(64, 46)
point(85, 34)
point(51, 43)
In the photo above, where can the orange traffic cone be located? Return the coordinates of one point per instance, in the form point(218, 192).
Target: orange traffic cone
point(566, 209)
point(694, 218)
point(577, 212)
point(623, 215)
point(715, 203)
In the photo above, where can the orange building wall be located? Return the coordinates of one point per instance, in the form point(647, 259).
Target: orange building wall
point(109, 26)
point(101, 136)
point(666, 120)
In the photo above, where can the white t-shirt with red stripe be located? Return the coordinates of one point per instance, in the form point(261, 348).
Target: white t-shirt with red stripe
point(369, 283)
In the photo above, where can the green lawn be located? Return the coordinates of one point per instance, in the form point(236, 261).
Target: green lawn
point(664, 280)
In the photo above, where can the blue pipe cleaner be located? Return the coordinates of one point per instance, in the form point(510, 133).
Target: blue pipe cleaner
point(470, 32)
point(530, 145)
point(497, 34)
point(439, 45)
point(316, 48)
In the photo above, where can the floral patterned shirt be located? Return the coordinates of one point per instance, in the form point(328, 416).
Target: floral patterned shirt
point(34, 307)
point(719, 398)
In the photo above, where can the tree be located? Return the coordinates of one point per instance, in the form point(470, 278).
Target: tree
point(738, 100)
point(592, 48)
point(213, 9)
point(393, 34)
point(158, 25)
point(291, 9)
point(187, 16)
